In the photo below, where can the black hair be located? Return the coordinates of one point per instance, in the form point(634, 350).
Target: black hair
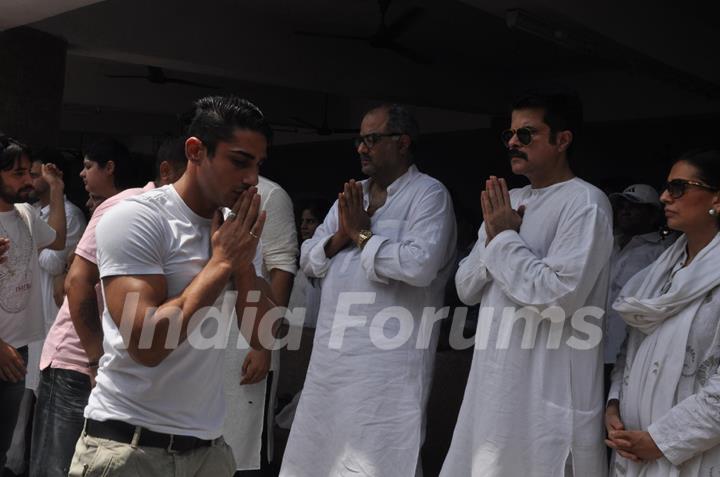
point(707, 163)
point(172, 150)
point(49, 155)
point(11, 151)
point(318, 207)
point(562, 111)
point(109, 149)
point(217, 117)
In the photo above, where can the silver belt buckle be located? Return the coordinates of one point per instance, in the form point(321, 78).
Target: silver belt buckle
point(169, 449)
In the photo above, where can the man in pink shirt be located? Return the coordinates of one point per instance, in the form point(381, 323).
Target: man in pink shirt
point(74, 343)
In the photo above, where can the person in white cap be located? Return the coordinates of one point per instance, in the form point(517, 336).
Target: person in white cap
point(638, 217)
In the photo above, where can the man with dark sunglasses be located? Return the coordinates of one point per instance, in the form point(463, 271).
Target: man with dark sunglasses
point(534, 407)
point(388, 243)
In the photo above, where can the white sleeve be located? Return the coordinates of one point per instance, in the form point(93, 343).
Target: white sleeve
point(54, 262)
point(472, 274)
point(313, 260)
point(426, 245)
point(279, 237)
point(618, 371)
point(76, 224)
point(692, 426)
point(43, 234)
point(578, 253)
point(130, 241)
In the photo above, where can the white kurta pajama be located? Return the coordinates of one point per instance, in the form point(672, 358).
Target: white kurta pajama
point(667, 377)
point(362, 407)
point(525, 411)
point(245, 404)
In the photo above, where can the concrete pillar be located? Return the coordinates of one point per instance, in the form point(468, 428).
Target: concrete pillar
point(32, 79)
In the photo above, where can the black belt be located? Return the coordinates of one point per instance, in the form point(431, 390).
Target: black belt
point(119, 431)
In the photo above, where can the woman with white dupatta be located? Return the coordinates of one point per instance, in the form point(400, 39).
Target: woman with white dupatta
point(663, 413)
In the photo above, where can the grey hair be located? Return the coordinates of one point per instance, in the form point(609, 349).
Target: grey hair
point(402, 120)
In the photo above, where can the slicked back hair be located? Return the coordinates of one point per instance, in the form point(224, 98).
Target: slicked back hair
point(707, 163)
point(562, 111)
point(217, 117)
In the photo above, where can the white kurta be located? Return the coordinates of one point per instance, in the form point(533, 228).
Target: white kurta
point(688, 434)
point(245, 404)
point(53, 263)
point(527, 408)
point(362, 407)
point(640, 251)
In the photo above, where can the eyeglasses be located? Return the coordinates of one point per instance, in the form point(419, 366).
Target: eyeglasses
point(677, 187)
point(373, 138)
point(524, 135)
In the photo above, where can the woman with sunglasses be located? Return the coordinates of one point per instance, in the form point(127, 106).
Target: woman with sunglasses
point(663, 413)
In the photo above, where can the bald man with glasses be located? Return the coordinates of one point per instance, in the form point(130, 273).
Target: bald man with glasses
point(388, 241)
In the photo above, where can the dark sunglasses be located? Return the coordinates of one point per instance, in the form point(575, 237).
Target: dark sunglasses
point(677, 187)
point(524, 135)
point(373, 138)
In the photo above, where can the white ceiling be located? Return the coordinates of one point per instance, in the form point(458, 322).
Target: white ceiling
point(251, 47)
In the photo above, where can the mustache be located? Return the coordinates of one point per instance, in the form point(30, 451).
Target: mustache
point(517, 153)
point(364, 157)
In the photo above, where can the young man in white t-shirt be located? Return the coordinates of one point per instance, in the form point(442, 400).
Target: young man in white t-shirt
point(22, 234)
point(165, 260)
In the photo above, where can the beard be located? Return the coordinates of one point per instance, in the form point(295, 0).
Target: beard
point(15, 197)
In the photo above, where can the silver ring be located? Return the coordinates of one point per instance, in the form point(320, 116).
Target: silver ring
point(254, 235)
point(231, 215)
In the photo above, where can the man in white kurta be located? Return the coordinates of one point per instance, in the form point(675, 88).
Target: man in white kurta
point(638, 242)
point(250, 392)
point(362, 406)
point(535, 408)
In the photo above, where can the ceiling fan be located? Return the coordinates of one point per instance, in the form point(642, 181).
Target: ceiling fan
point(386, 35)
point(324, 128)
point(156, 75)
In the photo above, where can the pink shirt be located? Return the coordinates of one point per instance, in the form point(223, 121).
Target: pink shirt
point(62, 347)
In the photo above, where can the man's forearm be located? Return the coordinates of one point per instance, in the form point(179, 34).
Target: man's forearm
point(281, 284)
point(56, 218)
point(172, 318)
point(246, 282)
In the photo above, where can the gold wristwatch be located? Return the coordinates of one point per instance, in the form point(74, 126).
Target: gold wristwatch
point(363, 237)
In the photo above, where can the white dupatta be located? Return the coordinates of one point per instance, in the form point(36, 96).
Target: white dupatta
point(665, 317)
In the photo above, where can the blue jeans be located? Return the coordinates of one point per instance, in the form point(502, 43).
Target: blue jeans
point(11, 395)
point(62, 397)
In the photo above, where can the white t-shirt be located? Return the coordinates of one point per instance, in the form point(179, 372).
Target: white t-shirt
point(279, 237)
point(151, 234)
point(21, 312)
